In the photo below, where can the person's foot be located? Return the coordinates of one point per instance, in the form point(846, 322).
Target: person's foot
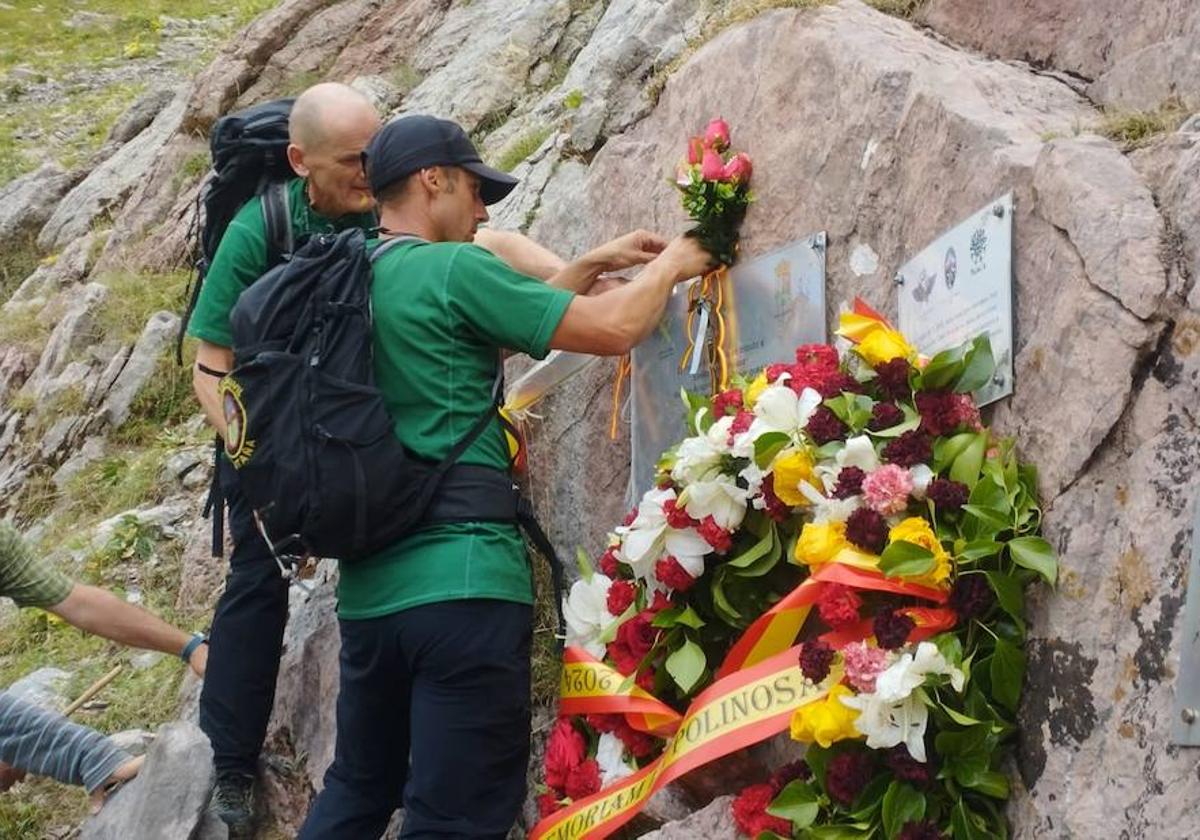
point(233, 803)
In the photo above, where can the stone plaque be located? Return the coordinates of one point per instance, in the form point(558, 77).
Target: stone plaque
point(960, 287)
point(774, 303)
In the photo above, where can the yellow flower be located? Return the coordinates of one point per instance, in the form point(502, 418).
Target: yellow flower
point(819, 544)
point(790, 470)
point(755, 389)
point(917, 531)
point(825, 721)
point(883, 345)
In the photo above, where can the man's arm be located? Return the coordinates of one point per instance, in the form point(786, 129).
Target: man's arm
point(613, 323)
point(95, 610)
point(212, 362)
point(521, 253)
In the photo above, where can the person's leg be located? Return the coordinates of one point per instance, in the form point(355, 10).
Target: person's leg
point(470, 718)
point(364, 784)
point(245, 645)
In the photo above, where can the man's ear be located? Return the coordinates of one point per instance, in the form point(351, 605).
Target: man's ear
point(295, 156)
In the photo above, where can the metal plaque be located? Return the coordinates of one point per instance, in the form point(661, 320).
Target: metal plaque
point(773, 304)
point(961, 287)
point(1185, 717)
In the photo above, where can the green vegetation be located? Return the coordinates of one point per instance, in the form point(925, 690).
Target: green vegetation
point(906, 9)
point(17, 262)
point(133, 298)
point(737, 12)
point(522, 147)
point(573, 99)
point(404, 77)
point(1137, 128)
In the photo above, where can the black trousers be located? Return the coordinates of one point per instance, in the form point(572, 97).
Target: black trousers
point(245, 643)
point(448, 685)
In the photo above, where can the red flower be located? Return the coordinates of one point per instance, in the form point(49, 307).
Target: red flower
point(676, 516)
point(750, 812)
point(634, 639)
point(789, 773)
point(645, 680)
point(620, 596)
point(695, 152)
point(584, 780)
point(849, 483)
point(825, 427)
point(726, 400)
point(716, 536)
point(660, 603)
point(716, 134)
point(672, 574)
point(565, 750)
point(923, 830)
point(639, 744)
point(865, 528)
point(885, 415)
point(548, 804)
point(846, 775)
point(773, 372)
point(604, 723)
point(776, 508)
point(629, 517)
point(739, 168)
point(910, 449)
point(906, 768)
point(947, 495)
point(816, 657)
point(741, 423)
point(609, 564)
point(712, 168)
point(817, 357)
point(838, 606)
point(892, 378)
point(891, 628)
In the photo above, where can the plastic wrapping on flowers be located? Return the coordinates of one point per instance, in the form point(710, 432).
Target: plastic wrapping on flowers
point(873, 460)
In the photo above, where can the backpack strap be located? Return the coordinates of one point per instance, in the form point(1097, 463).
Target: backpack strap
point(277, 217)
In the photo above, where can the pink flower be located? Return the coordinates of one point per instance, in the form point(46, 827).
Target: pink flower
point(695, 152)
point(716, 135)
point(863, 664)
point(738, 169)
point(886, 489)
point(712, 168)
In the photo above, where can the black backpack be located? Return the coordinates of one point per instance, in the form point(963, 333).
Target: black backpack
point(310, 435)
point(249, 159)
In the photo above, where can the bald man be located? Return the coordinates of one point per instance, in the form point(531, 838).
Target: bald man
point(329, 127)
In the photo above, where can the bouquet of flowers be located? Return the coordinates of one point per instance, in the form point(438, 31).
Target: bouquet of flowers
point(715, 183)
point(859, 489)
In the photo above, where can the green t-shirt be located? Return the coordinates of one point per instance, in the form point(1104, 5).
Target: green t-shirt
point(442, 312)
point(241, 258)
point(28, 581)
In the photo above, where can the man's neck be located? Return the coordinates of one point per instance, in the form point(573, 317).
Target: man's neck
point(395, 221)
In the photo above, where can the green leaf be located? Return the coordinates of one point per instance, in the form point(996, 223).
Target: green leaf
point(967, 464)
point(992, 784)
point(958, 717)
point(911, 421)
point(943, 369)
point(1008, 674)
point(966, 755)
point(610, 630)
point(585, 564)
point(1009, 596)
point(721, 603)
point(945, 450)
point(852, 409)
point(837, 832)
point(695, 404)
point(901, 804)
point(797, 802)
point(990, 519)
point(817, 758)
point(991, 493)
point(870, 800)
point(686, 665)
point(949, 647)
point(754, 552)
point(980, 550)
point(965, 823)
point(978, 366)
point(1036, 554)
point(674, 616)
point(904, 558)
point(767, 446)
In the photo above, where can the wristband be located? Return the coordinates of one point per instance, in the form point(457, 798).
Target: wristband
point(190, 648)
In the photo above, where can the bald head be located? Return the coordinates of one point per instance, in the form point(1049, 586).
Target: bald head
point(328, 110)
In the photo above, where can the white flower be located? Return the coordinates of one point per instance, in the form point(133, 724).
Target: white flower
point(586, 612)
point(779, 409)
point(646, 539)
point(921, 476)
point(887, 724)
point(910, 670)
point(695, 459)
point(720, 498)
point(610, 755)
point(753, 475)
point(858, 452)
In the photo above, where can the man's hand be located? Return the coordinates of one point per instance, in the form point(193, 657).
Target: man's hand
point(635, 248)
point(198, 661)
point(9, 776)
point(122, 775)
point(687, 258)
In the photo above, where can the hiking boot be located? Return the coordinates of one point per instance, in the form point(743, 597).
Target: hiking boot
point(233, 803)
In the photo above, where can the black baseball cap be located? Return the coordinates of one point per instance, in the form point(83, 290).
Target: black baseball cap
point(408, 144)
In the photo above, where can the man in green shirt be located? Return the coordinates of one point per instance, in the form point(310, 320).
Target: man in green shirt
point(436, 629)
point(39, 741)
point(329, 127)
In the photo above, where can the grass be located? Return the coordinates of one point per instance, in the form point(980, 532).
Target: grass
point(405, 78)
point(906, 9)
point(546, 659)
point(573, 99)
point(1134, 129)
point(17, 261)
point(737, 12)
point(522, 147)
point(133, 297)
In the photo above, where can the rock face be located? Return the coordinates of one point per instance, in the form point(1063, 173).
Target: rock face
point(167, 800)
point(27, 202)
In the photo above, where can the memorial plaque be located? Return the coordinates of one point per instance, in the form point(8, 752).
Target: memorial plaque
point(773, 303)
point(961, 287)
